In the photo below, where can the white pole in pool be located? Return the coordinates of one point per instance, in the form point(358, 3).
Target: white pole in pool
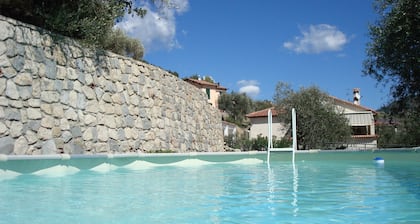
point(269, 137)
point(294, 134)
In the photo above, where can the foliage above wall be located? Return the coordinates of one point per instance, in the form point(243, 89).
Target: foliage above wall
point(90, 21)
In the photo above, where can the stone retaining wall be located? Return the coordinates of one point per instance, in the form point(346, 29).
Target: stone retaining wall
point(57, 96)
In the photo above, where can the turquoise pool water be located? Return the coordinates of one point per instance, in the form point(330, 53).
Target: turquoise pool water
point(318, 188)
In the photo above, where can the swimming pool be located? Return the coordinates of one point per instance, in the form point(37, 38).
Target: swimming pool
point(200, 188)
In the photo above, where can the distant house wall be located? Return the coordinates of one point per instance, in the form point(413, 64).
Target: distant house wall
point(362, 123)
point(259, 124)
point(214, 97)
point(260, 127)
point(212, 90)
point(360, 119)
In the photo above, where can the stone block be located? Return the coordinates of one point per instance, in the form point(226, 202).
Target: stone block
point(7, 145)
point(21, 146)
point(11, 90)
point(49, 147)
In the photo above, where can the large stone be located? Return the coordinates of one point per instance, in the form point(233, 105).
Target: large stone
point(118, 98)
point(89, 92)
point(46, 108)
point(2, 85)
point(58, 111)
point(56, 132)
point(47, 84)
point(14, 49)
point(16, 128)
point(3, 128)
point(50, 96)
point(36, 88)
point(76, 132)
point(114, 146)
point(113, 134)
point(11, 90)
point(88, 134)
point(101, 147)
point(72, 99)
point(92, 106)
point(34, 113)
point(6, 30)
point(109, 121)
point(50, 69)
point(59, 55)
point(44, 133)
point(70, 114)
point(18, 62)
point(25, 92)
point(102, 133)
point(31, 137)
point(74, 147)
point(49, 147)
point(48, 122)
point(66, 136)
point(23, 79)
point(81, 101)
point(21, 146)
point(3, 48)
point(64, 124)
point(34, 125)
point(7, 145)
point(72, 74)
point(90, 120)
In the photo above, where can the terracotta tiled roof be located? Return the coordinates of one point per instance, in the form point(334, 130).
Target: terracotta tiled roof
point(205, 84)
point(352, 104)
point(262, 113)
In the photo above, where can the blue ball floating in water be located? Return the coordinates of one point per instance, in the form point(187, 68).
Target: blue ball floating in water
point(379, 160)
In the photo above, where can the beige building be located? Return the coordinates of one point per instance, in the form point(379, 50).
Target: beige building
point(360, 118)
point(213, 90)
point(259, 124)
point(362, 122)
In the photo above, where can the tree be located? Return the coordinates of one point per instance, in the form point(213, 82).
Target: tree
point(261, 105)
point(319, 124)
point(119, 43)
point(393, 57)
point(206, 78)
point(393, 54)
point(237, 105)
point(90, 21)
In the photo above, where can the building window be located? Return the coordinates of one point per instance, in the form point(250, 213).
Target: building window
point(360, 130)
point(208, 93)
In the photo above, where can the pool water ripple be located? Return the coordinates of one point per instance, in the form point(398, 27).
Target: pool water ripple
point(209, 192)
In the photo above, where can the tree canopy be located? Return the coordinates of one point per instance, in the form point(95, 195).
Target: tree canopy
point(319, 124)
point(237, 105)
point(393, 53)
point(393, 57)
point(90, 21)
point(206, 78)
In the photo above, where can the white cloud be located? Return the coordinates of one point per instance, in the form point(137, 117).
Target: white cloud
point(157, 29)
point(317, 39)
point(250, 87)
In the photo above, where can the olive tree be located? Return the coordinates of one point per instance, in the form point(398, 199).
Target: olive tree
point(319, 123)
point(237, 105)
point(393, 58)
point(393, 53)
point(90, 21)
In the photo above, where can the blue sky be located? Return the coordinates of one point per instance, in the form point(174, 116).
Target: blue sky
point(249, 46)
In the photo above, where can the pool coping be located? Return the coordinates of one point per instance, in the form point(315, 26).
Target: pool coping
point(4, 157)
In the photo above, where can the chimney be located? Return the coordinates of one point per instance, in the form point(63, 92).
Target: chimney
point(356, 96)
